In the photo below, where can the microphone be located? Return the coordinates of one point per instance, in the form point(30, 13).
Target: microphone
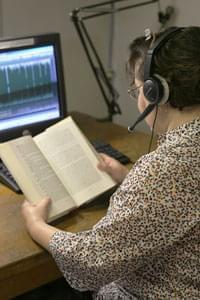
point(143, 115)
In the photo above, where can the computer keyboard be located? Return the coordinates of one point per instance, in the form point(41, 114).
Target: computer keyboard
point(108, 149)
point(7, 179)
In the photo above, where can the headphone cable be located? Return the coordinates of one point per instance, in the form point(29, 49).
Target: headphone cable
point(152, 131)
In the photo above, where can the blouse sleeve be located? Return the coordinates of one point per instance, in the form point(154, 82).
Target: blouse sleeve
point(152, 209)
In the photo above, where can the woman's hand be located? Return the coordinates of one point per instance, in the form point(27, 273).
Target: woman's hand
point(35, 213)
point(113, 167)
point(35, 216)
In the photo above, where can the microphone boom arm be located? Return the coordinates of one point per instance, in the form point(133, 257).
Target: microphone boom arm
point(103, 81)
point(108, 91)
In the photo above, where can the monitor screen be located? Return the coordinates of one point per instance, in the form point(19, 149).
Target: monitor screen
point(32, 91)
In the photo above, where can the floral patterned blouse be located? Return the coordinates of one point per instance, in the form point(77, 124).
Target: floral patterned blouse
point(148, 244)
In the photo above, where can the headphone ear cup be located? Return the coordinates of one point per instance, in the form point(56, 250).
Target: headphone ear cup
point(156, 90)
point(151, 90)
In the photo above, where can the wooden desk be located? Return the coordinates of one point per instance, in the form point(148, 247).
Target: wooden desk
point(23, 264)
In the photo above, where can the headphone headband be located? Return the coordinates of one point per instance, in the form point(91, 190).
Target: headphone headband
point(148, 65)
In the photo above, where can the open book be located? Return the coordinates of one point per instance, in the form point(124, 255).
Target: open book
point(59, 163)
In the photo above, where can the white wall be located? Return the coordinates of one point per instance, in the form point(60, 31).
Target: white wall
point(22, 17)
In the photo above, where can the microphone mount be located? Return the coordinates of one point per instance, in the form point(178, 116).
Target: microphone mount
point(104, 81)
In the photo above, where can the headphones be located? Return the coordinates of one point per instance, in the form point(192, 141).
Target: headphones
point(155, 88)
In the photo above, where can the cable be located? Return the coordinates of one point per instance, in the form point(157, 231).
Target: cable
point(152, 132)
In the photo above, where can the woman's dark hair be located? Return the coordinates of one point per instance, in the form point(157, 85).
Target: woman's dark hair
point(178, 61)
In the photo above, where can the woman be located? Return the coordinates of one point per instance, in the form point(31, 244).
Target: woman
point(147, 246)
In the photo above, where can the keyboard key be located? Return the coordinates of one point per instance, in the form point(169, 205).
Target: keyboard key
point(7, 179)
point(108, 149)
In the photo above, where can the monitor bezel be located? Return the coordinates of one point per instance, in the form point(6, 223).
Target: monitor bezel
point(12, 44)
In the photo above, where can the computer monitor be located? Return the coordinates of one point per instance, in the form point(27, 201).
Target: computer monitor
point(32, 90)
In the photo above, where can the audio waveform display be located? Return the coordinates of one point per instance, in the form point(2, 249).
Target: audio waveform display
point(28, 85)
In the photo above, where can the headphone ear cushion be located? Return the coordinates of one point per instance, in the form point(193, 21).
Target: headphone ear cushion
point(165, 89)
point(156, 90)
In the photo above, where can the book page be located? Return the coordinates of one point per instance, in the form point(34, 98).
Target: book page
point(35, 176)
point(73, 160)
